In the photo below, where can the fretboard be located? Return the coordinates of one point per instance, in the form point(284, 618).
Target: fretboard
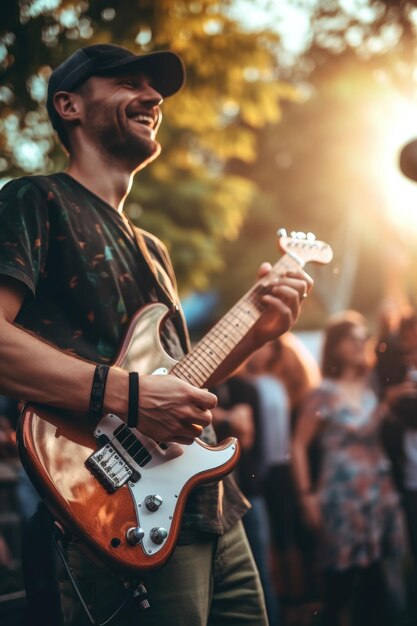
point(212, 350)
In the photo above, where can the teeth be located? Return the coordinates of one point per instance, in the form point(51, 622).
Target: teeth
point(144, 119)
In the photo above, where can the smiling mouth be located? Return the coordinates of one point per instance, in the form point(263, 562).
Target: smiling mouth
point(145, 120)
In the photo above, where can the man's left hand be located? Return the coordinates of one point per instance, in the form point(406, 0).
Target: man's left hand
point(282, 298)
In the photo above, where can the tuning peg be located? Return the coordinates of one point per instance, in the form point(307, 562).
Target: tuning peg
point(281, 232)
point(301, 235)
point(311, 237)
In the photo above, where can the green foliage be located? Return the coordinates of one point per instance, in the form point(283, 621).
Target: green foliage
point(186, 197)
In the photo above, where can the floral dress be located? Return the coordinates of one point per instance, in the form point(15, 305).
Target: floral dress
point(360, 508)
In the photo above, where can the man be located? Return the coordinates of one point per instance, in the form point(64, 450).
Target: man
point(73, 272)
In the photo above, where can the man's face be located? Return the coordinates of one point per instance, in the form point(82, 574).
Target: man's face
point(121, 115)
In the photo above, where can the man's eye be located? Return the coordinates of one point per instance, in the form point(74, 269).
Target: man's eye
point(130, 84)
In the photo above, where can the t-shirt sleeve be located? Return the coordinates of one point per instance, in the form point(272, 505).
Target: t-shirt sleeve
point(24, 227)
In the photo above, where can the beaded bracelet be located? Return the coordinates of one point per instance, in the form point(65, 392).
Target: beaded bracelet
point(97, 391)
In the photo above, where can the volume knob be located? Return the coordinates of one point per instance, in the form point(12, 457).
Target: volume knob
point(158, 535)
point(153, 503)
point(135, 535)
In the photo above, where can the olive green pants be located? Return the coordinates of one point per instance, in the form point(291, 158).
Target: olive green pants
point(210, 583)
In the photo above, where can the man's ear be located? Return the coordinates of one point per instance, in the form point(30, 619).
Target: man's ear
point(67, 104)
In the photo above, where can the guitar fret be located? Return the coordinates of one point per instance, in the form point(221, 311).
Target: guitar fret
point(224, 337)
point(209, 352)
point(218, 344)
point(194, 372)
point(233, 329)
point(212, 349)
point(184, 373)
point(245, 318)
point(230, 333)
point(189, 376)
point(193, 362)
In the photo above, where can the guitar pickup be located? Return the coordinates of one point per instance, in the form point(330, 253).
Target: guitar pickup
point(110, 469)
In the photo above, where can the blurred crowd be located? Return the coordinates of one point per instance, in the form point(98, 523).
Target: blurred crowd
point(329, 465)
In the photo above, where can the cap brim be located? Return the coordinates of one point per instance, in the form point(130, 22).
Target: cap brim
point(165, 69)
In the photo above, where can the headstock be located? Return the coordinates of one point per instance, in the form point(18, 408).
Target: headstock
point(304, 248)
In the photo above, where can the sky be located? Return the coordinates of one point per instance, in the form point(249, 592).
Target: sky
point(292, 23)
point(292, 20)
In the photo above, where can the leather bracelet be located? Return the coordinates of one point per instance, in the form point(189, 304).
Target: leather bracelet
point(132, 415)
point(97, 391)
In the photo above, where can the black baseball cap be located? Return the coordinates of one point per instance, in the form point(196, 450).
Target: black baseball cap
point(164, 68)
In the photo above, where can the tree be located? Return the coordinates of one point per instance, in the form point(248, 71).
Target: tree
point(185, 197)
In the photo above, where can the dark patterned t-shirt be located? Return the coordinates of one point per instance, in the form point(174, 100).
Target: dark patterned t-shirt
point(86, 276)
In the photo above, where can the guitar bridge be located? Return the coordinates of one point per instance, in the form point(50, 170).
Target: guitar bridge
point(110, 469)
point(120, 458)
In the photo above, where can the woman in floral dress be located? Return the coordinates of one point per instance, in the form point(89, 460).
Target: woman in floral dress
point(353, 508)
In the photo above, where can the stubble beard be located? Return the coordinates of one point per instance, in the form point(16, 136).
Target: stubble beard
point(135, 150)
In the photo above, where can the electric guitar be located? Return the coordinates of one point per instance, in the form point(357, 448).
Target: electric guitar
point(121, 493)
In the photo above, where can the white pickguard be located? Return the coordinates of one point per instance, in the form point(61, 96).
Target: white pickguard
point(165, 475)
point(167, 478)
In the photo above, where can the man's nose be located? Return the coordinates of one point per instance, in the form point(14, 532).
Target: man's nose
point(152, 96)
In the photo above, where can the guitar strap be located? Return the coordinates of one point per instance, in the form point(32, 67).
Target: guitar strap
point(163, 279)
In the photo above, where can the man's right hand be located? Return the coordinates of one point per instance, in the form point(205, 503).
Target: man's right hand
point(171, 409)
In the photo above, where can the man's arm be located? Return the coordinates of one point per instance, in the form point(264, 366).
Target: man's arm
point(30, 369)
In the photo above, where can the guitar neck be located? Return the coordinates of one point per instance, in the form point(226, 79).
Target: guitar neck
point(211, 351)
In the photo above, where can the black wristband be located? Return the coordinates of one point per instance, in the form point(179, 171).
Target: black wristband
point(132, 416)
point(97, 391)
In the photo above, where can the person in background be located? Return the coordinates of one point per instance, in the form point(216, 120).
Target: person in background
point(274, 442)
point(297, 369)
point(294, 365)
point(397, 375)
point(353, 507)
point(283, 372)
point(238, 414)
